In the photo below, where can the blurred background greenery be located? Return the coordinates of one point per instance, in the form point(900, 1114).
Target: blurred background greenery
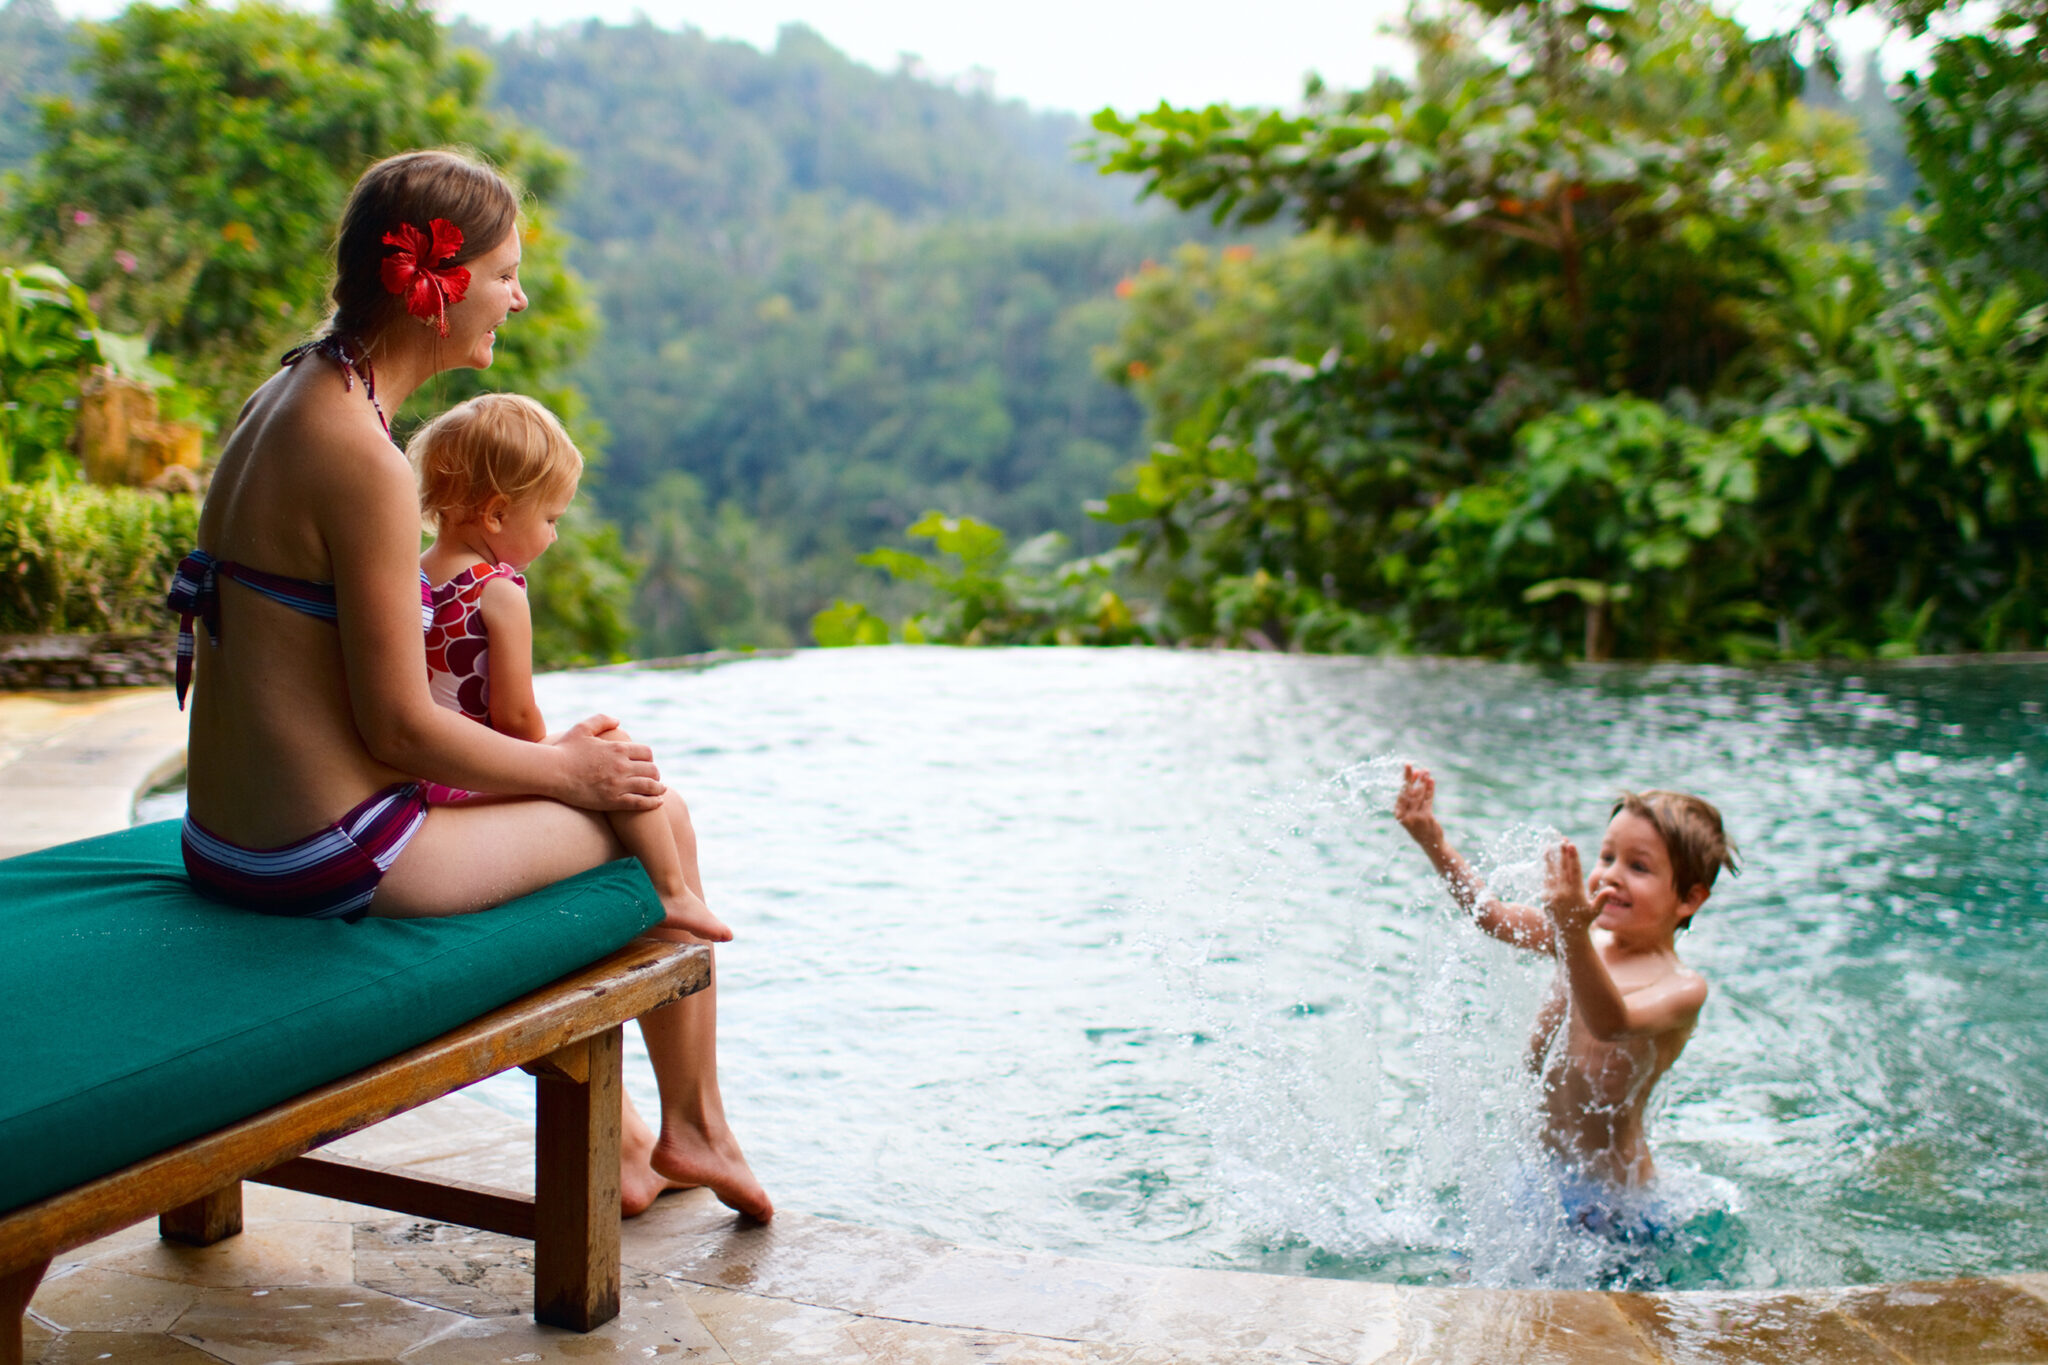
point(1613, 331)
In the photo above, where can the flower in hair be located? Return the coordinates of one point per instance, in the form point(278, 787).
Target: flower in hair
point(419, 271)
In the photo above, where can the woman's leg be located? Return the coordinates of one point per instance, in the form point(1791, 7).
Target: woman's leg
point(471, 856)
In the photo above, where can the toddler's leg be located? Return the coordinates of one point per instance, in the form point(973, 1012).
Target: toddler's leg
point(654, 837)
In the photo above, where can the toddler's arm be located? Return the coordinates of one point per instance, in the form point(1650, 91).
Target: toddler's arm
point(1670, 1002)
point(509, 620)
point(1415, 808)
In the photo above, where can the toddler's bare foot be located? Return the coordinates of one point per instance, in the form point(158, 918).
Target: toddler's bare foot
point(687, 1157)
point(639, 1183)
point(689, 913)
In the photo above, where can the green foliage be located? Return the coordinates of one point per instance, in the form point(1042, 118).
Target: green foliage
point(74, 558)
point(578, 593)
point(1626, 178)
point(714, 578)
point(49, 342)
point(1977, 123)
point(1730, 440)
point(193, 188)
point(47, 346)
point(980, 592)
point(848, 623)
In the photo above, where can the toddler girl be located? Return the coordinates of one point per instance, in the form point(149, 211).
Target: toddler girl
point(496, 473)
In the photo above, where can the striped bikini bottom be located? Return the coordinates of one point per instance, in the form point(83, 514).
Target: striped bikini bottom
point(330, 874)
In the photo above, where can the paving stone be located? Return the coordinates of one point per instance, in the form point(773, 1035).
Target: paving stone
point(1752, 1329)
point(1347, 1321)
point(308, 1326)
point(676, 1226)
point(113, 1244)
point(653, 1325)
point(482, 1274)
point(269, 1254)
point(1955, 1322)
point(34, 1333)
point(120, 1348)
point(753, 1330)
point(1526, 1326)
point(900, 1343)
point(914, 1279)
point(453, 1136)
point(92, 1299)
point(268, 1204)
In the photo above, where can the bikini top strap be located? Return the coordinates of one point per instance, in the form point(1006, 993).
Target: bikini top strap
point(352, 360)
point(195, 591)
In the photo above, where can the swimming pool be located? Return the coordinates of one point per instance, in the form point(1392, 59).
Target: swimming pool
point(1117, 953)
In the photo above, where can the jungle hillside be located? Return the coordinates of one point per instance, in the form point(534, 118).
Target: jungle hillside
point(1605, 332)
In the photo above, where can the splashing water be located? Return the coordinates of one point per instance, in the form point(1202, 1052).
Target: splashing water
point(1398, 1138)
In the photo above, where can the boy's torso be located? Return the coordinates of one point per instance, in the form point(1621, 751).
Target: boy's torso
point(1596, 1091)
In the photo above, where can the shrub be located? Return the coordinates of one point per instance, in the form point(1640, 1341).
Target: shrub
point(75, 558)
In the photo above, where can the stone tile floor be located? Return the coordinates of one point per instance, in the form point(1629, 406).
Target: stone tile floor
point(319, 1282)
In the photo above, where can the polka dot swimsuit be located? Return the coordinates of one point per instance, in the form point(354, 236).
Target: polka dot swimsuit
point(458, 649)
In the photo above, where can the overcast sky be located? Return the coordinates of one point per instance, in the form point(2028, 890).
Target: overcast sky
point(1076, 55)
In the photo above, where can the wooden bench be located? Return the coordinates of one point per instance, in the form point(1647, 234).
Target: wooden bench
point(568, 1034)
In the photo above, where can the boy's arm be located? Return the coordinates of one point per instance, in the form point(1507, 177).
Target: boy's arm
point(509, 620)
point(1521, 925)
point(1672, 1001)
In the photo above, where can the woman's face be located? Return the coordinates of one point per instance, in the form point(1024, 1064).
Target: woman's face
point(494, 295)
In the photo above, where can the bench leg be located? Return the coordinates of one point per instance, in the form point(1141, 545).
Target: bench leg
point(15, 1292)
point(204, 1221)
point(576, 1185)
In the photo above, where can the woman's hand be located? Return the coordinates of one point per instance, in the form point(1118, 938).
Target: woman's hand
point(601, 773)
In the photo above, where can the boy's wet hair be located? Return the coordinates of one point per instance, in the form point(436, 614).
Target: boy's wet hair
point(1691, 830)
point(496, 444)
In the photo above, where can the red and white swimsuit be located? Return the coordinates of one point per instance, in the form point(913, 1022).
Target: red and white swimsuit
point(458, 652)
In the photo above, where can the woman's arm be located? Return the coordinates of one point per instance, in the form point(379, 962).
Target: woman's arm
point(508, 623)
point(369, 519)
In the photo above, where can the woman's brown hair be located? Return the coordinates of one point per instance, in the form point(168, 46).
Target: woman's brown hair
point(415, 188)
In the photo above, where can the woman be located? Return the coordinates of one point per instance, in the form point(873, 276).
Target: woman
point(311, 716)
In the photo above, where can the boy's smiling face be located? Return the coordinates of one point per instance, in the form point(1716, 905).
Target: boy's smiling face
point(1635, 867)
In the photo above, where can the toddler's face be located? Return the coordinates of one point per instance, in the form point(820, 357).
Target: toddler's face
point(525, 532)
point(1635, 863)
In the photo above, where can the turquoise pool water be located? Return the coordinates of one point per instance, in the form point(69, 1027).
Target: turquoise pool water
point(1117, 953)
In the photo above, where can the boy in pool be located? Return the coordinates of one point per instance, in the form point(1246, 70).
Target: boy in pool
point(1623, 1006)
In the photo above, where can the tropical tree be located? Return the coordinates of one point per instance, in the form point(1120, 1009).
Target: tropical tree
point(193, 188)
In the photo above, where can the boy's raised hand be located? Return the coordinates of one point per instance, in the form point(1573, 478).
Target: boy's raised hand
point(1415, 806)
point(1564, 889)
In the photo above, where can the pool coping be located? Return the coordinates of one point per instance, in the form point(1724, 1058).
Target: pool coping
point(702, 1283)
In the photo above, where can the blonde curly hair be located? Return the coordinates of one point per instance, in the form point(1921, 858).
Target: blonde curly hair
point(495, 445)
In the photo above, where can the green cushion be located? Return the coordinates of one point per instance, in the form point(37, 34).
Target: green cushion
point(140, 1014)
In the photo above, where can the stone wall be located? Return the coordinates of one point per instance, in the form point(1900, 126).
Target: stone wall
point(68, 662)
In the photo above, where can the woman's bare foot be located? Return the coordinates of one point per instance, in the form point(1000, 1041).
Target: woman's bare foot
point(639, 1184)
point(689, 913)
point(687, 1157)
